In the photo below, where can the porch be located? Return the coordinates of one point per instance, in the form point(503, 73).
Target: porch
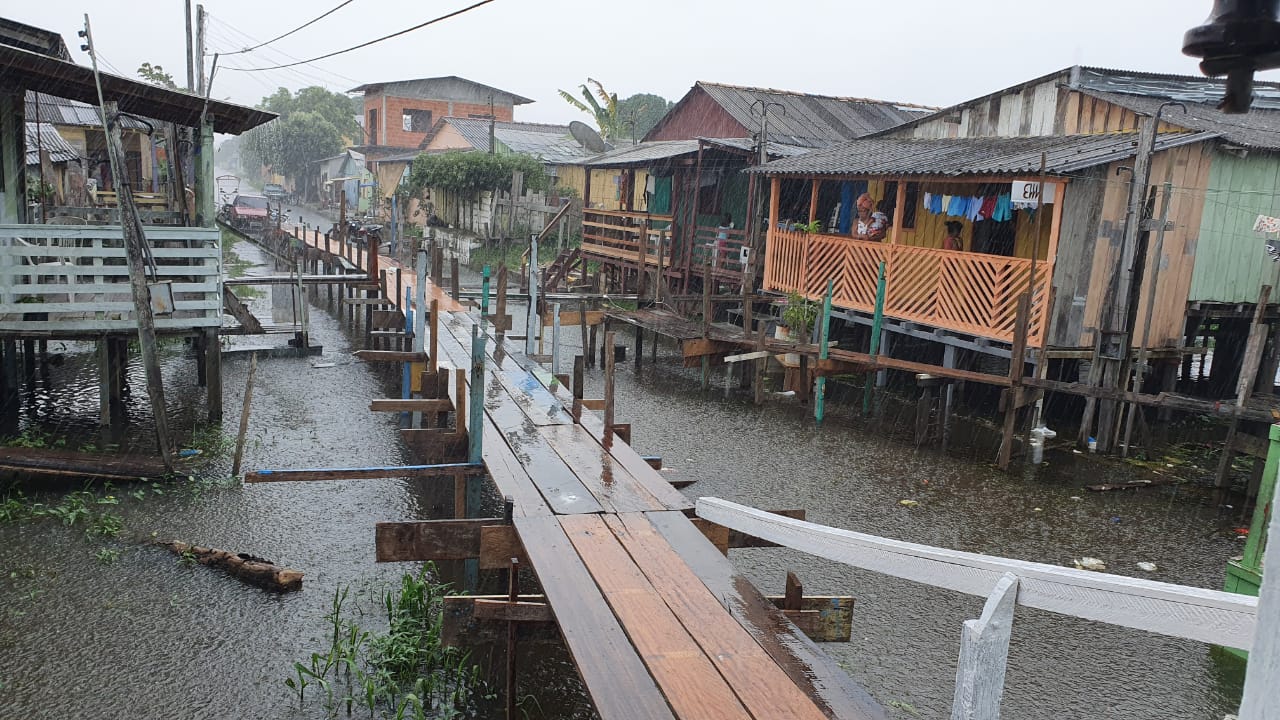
point(73, 280)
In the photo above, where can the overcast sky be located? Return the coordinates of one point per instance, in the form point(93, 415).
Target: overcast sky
point(929, 52)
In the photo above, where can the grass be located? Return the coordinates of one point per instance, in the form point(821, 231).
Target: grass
point(234, 266)
point(493, 255)
point(402, 672)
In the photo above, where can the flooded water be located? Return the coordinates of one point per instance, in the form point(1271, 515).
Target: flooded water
point(146, 636)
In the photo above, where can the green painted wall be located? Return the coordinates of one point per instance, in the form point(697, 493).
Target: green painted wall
point(1231, 259)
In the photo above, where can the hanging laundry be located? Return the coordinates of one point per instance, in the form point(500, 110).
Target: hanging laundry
point(988, 207)
point(1004, 209)
point(974, 213)
point(934, 203)
point(957, 206)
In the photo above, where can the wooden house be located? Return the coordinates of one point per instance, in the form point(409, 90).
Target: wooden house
point(68, 279)
point(1085, 122)
point(683, 182)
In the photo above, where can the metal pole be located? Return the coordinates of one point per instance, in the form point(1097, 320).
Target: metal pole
point(876, 323)
point(406, 372)
point(419, 318)
point(191, 68)
point(532, 322)
point(555, 339)
point(820, 394)
point(199, 58)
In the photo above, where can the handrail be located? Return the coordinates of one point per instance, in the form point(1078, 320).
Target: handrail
point(1210, 616)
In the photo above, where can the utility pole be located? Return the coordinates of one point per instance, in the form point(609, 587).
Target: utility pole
point(137, 254)
point(191, 68)
point(492, 121)
point(199, 58)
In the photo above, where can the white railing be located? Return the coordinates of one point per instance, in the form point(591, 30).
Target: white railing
point(1210, 616)
point(73, 278)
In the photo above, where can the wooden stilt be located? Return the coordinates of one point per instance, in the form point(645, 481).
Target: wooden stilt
point(213, 360)
point(1017, 364)
point(608, 389)
point(1253, 350)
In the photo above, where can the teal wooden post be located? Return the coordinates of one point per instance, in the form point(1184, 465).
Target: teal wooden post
point(475, 426)
point(484, 297)
point(876, 323)
point(824, 344)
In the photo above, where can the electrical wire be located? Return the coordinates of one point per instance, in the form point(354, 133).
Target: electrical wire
point(281, 37)
point(226, 32)
point(371, 42)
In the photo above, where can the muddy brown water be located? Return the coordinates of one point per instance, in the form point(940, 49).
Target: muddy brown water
point(146, 636)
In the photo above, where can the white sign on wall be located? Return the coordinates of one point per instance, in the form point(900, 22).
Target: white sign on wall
point(1028, 191)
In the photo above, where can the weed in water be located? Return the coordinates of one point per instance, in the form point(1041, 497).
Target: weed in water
point(187, 558)
point(107, 556)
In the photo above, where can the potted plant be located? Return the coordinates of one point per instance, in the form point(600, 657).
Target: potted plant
point(798, 317)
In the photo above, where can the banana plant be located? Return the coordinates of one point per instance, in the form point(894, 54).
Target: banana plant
point(604, 110)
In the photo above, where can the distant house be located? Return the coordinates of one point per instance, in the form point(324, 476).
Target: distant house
point(684, 178)
point(52, 159)
point(552, 144)
point(400, 114)
point(78, 123)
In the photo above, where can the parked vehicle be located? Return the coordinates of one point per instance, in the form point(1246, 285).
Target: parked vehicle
point(274, 192)
point(364, 232)
point(248, 213)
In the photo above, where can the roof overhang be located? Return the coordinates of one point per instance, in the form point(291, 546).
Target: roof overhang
point(24, 69)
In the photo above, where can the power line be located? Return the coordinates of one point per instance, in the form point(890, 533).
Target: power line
point(229, 28)
point(371, 42)
point(280, 37)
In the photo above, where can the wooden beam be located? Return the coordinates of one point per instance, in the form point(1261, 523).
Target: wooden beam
point(698, 347)
point(823, 618)
point(391, 356)
point(430, 539)
point(412, 405)
point(505, 610)
point(498, 544)
point(367, 473)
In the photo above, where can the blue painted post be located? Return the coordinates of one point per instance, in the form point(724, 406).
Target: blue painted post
point(406, 376)
point(484, 298)
point(475, 426)
point(824, 344)
point(876, 323)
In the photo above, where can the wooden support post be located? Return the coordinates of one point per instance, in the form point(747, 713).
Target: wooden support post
point(579, 363)
point(475, 446)
point(1017, 362)
point(502, 322)
point(513, 597)
point(591, 347)
point(760, 364)
point(948, 394)
point(484, 298)
point(433, 355)
point(876, 324)
point(824, 346)
point(455, 281)
point(582, 326)
point(213, 369)
point(555, 339)
point(244, 415)
point(639, 347)
point(984, 655)
point(1254, 347)
point(608, 388)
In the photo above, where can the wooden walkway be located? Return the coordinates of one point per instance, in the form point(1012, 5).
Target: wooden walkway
point(658, 622)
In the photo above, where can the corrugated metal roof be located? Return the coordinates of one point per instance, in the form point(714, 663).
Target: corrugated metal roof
point(812, 121)
point(1257, 128)
point(550, 143)
point(778, 150)
point(643, 153)
point(443, 80)
point(61, 111)
point(971, 156)
point(45, 136)
point(1187, 88)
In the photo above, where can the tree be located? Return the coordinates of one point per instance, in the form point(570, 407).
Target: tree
point(332, 106)
point(470, 172)
point(156, 75)
point(302, 138)
point(639, 113)
point(605, 115)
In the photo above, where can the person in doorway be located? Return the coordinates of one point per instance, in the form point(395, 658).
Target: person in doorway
point(870, 225)
point(953, 241)
point(722, 239)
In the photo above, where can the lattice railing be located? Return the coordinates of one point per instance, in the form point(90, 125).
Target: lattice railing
point(973, 293)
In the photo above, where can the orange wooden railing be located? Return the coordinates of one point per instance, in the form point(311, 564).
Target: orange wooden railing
point(967, 292)
point(616, 234)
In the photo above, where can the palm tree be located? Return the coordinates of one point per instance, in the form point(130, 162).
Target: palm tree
point(606, 115)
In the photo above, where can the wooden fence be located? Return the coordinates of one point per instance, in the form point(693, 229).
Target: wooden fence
point(967, 292)
point(616, 235)
point(1210, 616)
point(75, 278)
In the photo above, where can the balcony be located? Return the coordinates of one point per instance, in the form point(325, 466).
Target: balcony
point(966, 292)
point(74, 279)
point(616, 235)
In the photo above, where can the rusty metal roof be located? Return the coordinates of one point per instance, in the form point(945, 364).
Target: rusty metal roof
point(43, 136)
point(972, 156)
point(807, 120)
point(30, 70)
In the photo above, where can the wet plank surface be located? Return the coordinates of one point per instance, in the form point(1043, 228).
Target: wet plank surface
point(617, 680)
point(685, 674)
point(799, 657)
point(763, 687)
point(612, 485)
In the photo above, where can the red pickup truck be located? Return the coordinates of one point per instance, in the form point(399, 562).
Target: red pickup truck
point(248, 213)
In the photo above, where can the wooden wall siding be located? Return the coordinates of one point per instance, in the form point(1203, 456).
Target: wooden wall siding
point(697, 116)
point(1231, 262)
point(965, 292)
point(1030, 111)
point(80, 277)
point(1191, 165)
point(1073, 266)
point(605, 183)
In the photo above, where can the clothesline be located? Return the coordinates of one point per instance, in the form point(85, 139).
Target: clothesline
point(976, 208)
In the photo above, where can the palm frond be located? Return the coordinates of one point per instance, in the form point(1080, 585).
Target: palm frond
point(574, 101)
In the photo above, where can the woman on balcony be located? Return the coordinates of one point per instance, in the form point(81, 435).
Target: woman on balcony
point(871, 226)
point(953, 241)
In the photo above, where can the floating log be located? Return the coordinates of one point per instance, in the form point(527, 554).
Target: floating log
point(247, 568)
point(45, 462)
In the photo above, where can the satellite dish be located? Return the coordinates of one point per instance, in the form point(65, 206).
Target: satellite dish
point(586, 137)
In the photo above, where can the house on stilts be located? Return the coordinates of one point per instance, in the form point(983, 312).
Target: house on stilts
point(63, 271)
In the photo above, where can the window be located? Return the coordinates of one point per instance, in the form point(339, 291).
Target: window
point(416, 121)
point(373, 127)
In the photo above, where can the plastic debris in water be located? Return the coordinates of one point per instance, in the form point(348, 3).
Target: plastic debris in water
point(1115, 519)
point(1037, 510)
point(1077, 498)
point(908, 503)
point(1242, 531)
point(1147, 566)
point(189, 452)
point(1089, 563)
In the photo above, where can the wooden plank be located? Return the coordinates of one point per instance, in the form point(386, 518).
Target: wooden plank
point(461, 628)
point(390, 356)
point(686, 675)
point(984, 655)
point(698, 347)
point(717, 535)
point(494, 609)
point(367, 301)
point(612, 485)
point(757, 680)
point(573, 317)
point(498, 544)
point(430, 539)
point(758, 354)
point(596, 404)
point(1210, 616)
point(613, 673)
point(823, 618)
point(365, 473)
point(411, 405)
point(805, 664)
